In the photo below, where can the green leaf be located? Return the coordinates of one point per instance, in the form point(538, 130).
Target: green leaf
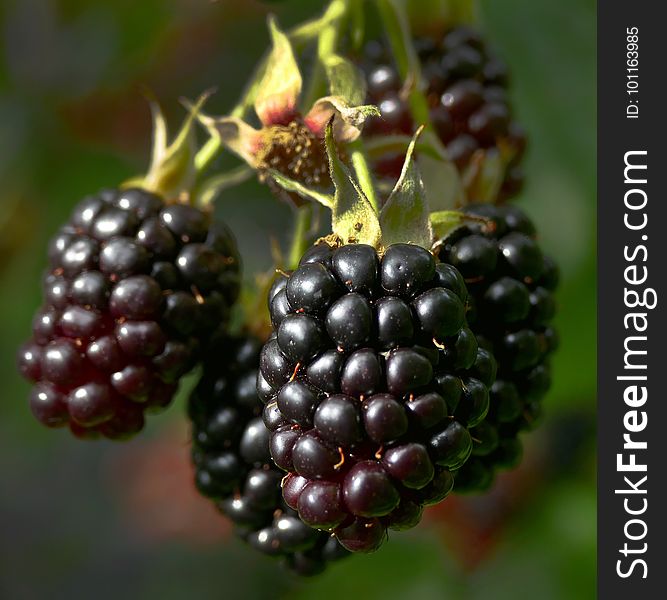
point(444, 222)
point(278, 93)
point(353, 219)
point(290, 185)
point(405, 215)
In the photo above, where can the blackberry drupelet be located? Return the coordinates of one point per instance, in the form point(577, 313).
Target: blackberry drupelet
point(510, 285)
point(369, 387)
point(230, 451)
point(134, 289)
point(466, 88)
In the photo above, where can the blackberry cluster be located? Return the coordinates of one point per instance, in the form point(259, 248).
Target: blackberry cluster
point(134, 289)
point(510, 285)
point(466, 87)
point(371, 381)
point(230, 451)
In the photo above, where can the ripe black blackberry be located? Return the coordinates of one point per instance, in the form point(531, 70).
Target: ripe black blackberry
point(369, 389)
point(230, 451)
point(466, 88)
point(510, 285)
point(135, 287)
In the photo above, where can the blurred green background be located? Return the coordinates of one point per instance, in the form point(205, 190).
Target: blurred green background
point(81, 520)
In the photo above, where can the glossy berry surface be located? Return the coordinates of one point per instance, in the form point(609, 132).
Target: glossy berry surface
point(371, 387)
point(510, 285)
point(233, 466)
point(466, 89)
point(134, 291)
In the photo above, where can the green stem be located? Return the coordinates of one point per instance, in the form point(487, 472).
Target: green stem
point(327, 40)
point(363, 173)
point(207, 154)
point(397, 29)
point(301, 239)
point(206, 191)
point(358, 25)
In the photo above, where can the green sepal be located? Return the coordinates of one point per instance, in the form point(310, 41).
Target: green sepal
point(445, 222)
point(441, 177)
point(209, 189)
point(350, 121)
point(405, 215)
point(290, 185)
point(278, 93)
point(172, 170)
point(345, 79)
point(353, 219)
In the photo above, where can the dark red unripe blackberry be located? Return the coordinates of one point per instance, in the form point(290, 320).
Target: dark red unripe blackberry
point(371, 371)
point(510, 284)
point(233, 466)
point(466, 89)
point(123, 307)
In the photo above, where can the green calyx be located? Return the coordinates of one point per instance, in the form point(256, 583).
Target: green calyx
point(172, 172)
point(283, 109)
point(405, 216)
